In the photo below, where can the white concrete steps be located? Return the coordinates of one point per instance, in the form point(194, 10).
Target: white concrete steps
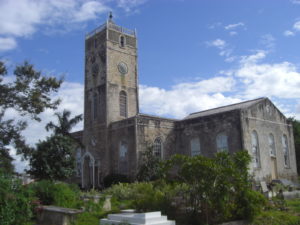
point(150, 218)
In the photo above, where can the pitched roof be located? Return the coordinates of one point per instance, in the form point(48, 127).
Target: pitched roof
point(241, 105)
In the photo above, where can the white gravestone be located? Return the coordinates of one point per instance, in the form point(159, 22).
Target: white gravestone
point(150, 218)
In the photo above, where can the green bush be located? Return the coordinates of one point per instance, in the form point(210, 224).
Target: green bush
point(59, 194)
point(215, 189)
point(15, 202)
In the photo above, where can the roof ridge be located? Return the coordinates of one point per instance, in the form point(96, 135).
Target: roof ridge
point(228, 105)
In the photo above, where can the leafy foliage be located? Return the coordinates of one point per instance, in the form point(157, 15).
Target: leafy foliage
point(65, 124)
point(28, 94)
point(217, 189)
point(15, 200)
point(296, 130)
point(56, 193)
point(150, 167)
point(53, 158)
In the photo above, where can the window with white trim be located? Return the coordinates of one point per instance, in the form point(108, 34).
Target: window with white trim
point(195, 146)
point(255, 149)
point(222, 142)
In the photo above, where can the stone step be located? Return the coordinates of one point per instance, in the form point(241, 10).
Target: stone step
point(136, 218)
point(151, 218)
point(115, 222)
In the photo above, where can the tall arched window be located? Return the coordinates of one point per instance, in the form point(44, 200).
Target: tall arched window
point(123, 104)
point(123, 150)
point(255, 149)
point(285, 151)
point(157, 148)
point(195, 146)
point(222, 143)
point(272, 145)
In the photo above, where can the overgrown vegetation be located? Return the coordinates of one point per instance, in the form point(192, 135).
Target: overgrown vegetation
point(296, 130)
point(54, 158)
point(16, 202)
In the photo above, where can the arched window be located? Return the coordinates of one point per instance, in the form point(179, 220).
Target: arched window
point(123, 104)
point(272, 145)
point(123, 150)
point(157, 148)
point(255, 149)
point(285, 151)
point(195, 146)
point(122, 41)
point(222, 143)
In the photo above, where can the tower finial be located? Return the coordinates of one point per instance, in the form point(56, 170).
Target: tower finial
point(110, 16)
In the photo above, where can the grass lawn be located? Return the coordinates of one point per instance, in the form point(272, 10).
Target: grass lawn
point(290, 216)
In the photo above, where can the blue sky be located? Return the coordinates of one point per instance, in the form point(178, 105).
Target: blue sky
point(193, 55)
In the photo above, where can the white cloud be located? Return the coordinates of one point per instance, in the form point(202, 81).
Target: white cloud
point(295, 1)
point(89, 11)
point(22, 18)
point(234, 26)
point(185, 98)
point(281, 80)
point(296, 26)
point(233, 33)
point(225, 50)
point(268, 41)
point(219, 43)
point(288, 33)
point(7, 44)
point(129, 5)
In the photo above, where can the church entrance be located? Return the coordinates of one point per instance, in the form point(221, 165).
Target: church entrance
point(87, 172)
point(273, 168)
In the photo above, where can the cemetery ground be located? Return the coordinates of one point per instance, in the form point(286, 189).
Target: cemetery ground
point(189, 190)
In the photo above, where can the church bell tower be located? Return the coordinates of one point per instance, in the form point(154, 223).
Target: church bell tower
point(111, 83)
point(110, 89)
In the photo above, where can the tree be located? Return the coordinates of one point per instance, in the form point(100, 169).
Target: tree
point(65, 124)
point(149, 168)
point(28, 94)
point(54, 158)
point(296, 131)
point(216, 189)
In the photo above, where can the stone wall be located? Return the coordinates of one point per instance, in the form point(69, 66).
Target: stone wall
point(123, 132)
point(265, 118)
point(151, 127)
point(206, 129)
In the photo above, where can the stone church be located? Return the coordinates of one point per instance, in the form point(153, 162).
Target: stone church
point(115, 133)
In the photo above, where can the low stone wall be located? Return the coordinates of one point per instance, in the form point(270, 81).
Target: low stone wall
point(53, 215)
point(291, 194)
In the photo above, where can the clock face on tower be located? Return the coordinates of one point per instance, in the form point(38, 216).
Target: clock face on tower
point(122, 67)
